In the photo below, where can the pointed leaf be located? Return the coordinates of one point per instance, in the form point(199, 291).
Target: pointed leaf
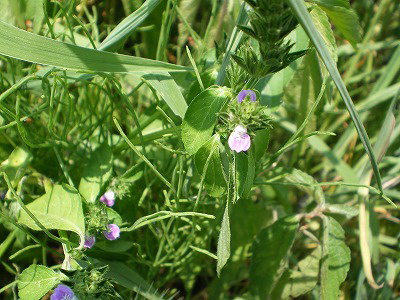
point(224, 241)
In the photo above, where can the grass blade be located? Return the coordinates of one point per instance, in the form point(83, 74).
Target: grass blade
point(23, 45)
point(304, 18)
point(120, 34)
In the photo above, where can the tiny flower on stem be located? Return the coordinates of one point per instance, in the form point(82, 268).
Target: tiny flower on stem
point(239, 140)
point(108, 198)
point(112, 232)
point(244, 93)
point(89, 241)
point(63, 292)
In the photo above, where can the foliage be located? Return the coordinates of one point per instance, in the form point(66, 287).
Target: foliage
point(199, 149)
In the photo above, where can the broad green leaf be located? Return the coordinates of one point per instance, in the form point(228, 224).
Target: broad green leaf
point(302, 14)
point(116, 39)
point(208, 157)
point(36, 280)
point(16, 164)
point(30, 47)
point(208, 78)
point(261, 141)
point(301, 279)
point(335, 259)
point(201, 117)
point(244, 172)
point(60, 208)
point(323, 26)
point(96, 173)
point(346, 21)
point(270, 250)
point(224, 240)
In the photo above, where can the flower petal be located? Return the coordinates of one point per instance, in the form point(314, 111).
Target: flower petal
point(62, 292)
point(112, 233)
point(242, 95)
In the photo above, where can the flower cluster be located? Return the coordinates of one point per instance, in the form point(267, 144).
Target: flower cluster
point(97, 218)
point(244, 115)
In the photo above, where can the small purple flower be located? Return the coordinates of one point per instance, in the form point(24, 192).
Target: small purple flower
point(63, 292)
point(239, 140)
point(89, 241)
point(108, 198)
point(112, 233)
point(244, 93)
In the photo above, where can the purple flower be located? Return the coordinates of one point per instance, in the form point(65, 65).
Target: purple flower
point(239, 140)
point(63, 292)
point(244, 93)
point(108, 198)
point(112, 232)
point(89, 241)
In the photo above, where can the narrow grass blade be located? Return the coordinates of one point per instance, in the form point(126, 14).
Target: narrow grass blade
point(116, 39)
point(303, 16)
point(23, 45)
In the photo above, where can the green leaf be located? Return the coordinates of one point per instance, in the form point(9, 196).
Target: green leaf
point(16, 164)
point(296, 176)
point(126, 277)
point(301, 279)
point(208, 157)
point(60, 208)
point(164, 84)
point(96, 173)
point(30, 47)
point(323, 26)
point(261, 141)
point(201, 117)
point(244, 172)
point(270, 250)
point(224, 241)
point(342, 3)
point(342, 209)
point(302, 14)
point(335, 259)
point(116, 39)
point(346, 21)
point(35, 281)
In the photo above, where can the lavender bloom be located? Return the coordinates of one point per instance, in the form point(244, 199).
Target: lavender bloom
point(112, 233)
point(89, 241)
point(108, 198)
point(244, 93)
point(63, 292)
point(239, 140)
